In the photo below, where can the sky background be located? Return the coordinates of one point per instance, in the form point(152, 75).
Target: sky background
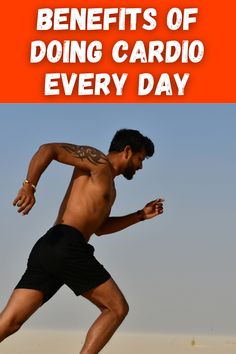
point(177, 271)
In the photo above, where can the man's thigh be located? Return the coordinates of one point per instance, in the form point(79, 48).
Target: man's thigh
point(22, 304)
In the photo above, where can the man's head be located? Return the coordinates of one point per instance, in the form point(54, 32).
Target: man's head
point(134, 148)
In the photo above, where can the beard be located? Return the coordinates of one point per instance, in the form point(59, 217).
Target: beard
point(129, 171)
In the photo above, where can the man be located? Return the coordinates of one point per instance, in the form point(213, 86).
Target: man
point(63, 255)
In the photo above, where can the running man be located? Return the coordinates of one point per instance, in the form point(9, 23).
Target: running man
point(63, 255)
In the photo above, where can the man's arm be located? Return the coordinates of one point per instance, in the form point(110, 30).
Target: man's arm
point(85, 158)
point(115, 224)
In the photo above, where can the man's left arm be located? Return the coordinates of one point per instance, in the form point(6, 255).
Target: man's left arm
point(118, 223)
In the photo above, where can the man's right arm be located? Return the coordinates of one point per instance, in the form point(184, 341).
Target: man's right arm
point(85, 158)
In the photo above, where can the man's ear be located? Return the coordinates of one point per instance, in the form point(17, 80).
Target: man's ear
point(127, 151)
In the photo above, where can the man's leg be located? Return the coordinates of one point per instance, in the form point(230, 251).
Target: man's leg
point(21, 305)
point(109, 299)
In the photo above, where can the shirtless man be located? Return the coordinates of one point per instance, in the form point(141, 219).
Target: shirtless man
point(63, 255)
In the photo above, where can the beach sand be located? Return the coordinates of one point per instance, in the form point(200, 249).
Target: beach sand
point(70, 342)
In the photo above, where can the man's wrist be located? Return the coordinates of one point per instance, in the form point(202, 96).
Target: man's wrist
point(26, 182)
point(140, 214)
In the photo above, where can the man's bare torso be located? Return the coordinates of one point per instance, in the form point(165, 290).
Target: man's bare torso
point(88, 201)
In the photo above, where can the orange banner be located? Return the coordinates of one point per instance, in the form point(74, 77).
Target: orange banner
point(120, 51)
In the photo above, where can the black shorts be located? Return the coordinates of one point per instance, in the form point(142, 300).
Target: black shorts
point(62, 256)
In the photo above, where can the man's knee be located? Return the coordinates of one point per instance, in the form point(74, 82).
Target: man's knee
point(121, 309)
point(8, 326)
point(13, 326)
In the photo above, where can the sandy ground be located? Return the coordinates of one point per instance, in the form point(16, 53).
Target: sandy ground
point(70, 342)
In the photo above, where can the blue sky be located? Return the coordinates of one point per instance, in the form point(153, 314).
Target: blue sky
point(177, 271)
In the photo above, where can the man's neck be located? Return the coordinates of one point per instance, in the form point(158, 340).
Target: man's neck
point(114, 160)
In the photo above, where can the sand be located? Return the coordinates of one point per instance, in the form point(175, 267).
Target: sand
point(70, 342)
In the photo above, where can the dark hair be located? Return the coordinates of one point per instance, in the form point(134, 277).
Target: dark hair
point(134, 139)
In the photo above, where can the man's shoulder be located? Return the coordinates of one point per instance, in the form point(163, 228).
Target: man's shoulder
point(86, 152)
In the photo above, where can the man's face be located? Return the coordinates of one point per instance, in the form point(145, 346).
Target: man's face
point(134, 163)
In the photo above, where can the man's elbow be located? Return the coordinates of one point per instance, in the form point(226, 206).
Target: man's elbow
point(47, 150)
point(98, 232)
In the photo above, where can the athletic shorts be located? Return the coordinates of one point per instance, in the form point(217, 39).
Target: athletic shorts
point(62, 256)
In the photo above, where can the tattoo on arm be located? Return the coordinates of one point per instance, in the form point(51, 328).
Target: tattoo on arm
point(86, 152)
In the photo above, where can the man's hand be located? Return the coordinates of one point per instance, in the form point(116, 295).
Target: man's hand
point(24, 200)
point(152, 209)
